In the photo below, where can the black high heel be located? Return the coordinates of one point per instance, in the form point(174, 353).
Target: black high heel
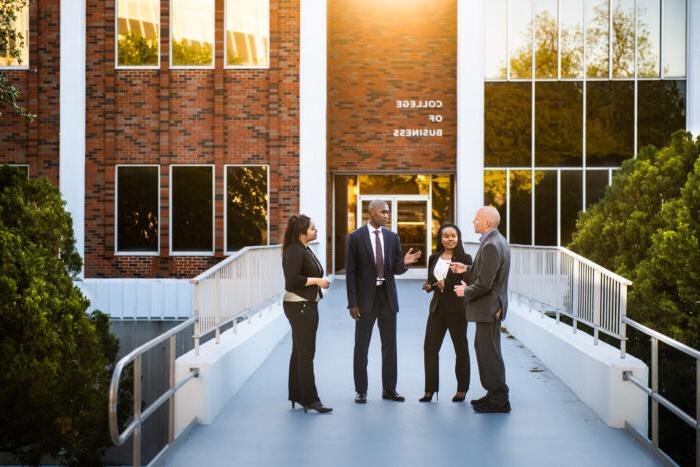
point(459, 399)
point(318, 407)
point(296, 402)
point(429, 398)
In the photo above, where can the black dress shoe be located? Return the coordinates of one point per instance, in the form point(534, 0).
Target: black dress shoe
point(480, 401)
point(318, 407)
point(393, 396)
point(490, 407)
point(360, 398)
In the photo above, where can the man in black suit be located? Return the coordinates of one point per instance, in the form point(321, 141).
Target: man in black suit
point(486, 303)
point(372, 258)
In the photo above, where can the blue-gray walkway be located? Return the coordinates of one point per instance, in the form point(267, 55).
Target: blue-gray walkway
point(549, 426)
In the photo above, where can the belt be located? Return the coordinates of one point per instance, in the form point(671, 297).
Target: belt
point(379, 283)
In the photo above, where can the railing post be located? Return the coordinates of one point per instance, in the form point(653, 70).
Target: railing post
point(137, 412)
point(623, 325)
point(596, 305)
point(655, 390)
point(171, 385)
point(217, 305)
point(195, 307)
point(576, 287)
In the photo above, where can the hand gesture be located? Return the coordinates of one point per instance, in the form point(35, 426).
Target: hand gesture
point(411, 257)
point(427, 287)
point(355, 312)
point(441, 285)
point(324, 283)
point(457, 267)
point(459, 289)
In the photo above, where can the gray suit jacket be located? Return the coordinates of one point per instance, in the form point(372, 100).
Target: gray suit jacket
point(487, 285)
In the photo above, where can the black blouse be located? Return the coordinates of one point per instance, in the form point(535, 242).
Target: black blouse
point(299, 263)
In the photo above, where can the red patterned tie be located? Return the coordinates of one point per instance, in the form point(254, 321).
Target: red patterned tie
point(378, 257)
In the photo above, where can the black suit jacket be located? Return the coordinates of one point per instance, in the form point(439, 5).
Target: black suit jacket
point(299, 263)
point(447, 298)
point(361, 273)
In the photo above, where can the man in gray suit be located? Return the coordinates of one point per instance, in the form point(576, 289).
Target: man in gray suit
point(486, 303)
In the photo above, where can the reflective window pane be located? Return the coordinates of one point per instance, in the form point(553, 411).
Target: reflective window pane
point(138, 32)
point(411, 226)
point(14, 48)
point(394, 184)
point(246, 206)
point(546, 207)
point(507, 124)
point(192, 196)
point(571, 193)
point(495, 195)
point(546, 38)
point(609, 122)
point(442, 202)
point(674, 41)
point(648, 38)
point(247, 33)
point(192, 32)
point(520, 39)
point(496, 34)
point(623, 38)
point(558, 124)
point(137, 209)
point(520, 207)
point(597, 28)
point(571, 45)
point(596, 182)
point(660, 111)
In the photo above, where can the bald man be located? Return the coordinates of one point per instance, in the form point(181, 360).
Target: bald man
point(486, 303)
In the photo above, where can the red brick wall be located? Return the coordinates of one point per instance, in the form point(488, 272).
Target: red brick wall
point(36, 143)
point(187, 116)
point(381, 51)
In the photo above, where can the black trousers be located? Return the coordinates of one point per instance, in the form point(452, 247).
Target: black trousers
point(492, 371)
point(381, 312)
point(303, 317)
point(439, 322)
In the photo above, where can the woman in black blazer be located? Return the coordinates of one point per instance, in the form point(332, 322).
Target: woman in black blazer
point(446, 312)
point(303, 281)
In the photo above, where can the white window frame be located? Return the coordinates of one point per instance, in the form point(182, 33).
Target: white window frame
point(25, 66)
point(213, 212)
point(116, 213)
point(269, 42)
point(116, 44)
point(226, 166)
point(170, 42)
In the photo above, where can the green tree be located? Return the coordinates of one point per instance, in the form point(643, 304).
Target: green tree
point(57, 359)
point(11, 44)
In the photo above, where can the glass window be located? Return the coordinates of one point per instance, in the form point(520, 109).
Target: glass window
point(674, 31)
point(495, 194)
point(22, 168)
point(546, 207)
point(192, 209)
point(648, 38)
point(507, 124)
point(247, 33)
point(558, 123)
point(546, 38)
point(246, 206)
point(660, 111)
point(137, 208)
point(394, 184)
point(14, 48)
point(623, 38)
point(597, 28)
point(571, 45)
point(442, 202)
point(609, 122)
point(138, 32)
point(192, 32)
point(520, 39)
point(496, 31)
point(571, 195)
point(520, 207)
point(596, 182)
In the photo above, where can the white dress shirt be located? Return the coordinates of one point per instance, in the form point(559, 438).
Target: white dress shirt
point(442, 266)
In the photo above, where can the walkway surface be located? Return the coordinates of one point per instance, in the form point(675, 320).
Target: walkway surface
point(549, 425)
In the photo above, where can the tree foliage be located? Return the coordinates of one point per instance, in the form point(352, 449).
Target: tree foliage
point(57, 359)
point(11, 44)
point(136, 50)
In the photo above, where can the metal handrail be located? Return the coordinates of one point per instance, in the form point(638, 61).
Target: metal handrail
point(139, 416)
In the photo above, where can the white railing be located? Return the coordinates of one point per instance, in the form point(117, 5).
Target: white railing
point(554, 279)
point(234, 288)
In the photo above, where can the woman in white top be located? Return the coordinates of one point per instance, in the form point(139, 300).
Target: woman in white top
point(446, 312)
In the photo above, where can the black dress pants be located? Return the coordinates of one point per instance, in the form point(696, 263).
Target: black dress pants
point(303, 317)
point(492, 371)
point(439, 322)
point(381, 312)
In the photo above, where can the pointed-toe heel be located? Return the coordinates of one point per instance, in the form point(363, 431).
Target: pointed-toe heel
point(427, 398)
